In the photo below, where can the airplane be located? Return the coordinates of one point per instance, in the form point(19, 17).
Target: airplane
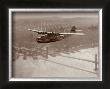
point(47, 37)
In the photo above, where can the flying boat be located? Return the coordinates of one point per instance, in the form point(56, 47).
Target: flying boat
point(47, 37)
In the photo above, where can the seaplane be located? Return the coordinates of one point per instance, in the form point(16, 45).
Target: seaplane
point(47, 37)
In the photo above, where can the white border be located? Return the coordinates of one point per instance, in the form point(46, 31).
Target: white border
point(54, 10)
point(100, 43)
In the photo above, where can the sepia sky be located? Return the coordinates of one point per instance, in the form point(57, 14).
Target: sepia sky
point(22, 15)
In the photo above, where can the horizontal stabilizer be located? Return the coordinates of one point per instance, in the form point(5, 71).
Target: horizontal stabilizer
point(78, 30)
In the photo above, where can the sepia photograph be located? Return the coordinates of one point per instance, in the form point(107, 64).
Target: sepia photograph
point(55, 44)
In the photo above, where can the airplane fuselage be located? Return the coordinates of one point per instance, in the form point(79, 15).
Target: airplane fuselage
point(49, 38)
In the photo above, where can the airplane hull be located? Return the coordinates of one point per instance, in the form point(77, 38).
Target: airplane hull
point(46, 39)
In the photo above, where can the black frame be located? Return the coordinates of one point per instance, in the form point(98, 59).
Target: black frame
point(5, 84)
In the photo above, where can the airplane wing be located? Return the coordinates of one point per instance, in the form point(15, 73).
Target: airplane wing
point(72, 33)
point(42, 32)
point(32, 30)
point(39, 32)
